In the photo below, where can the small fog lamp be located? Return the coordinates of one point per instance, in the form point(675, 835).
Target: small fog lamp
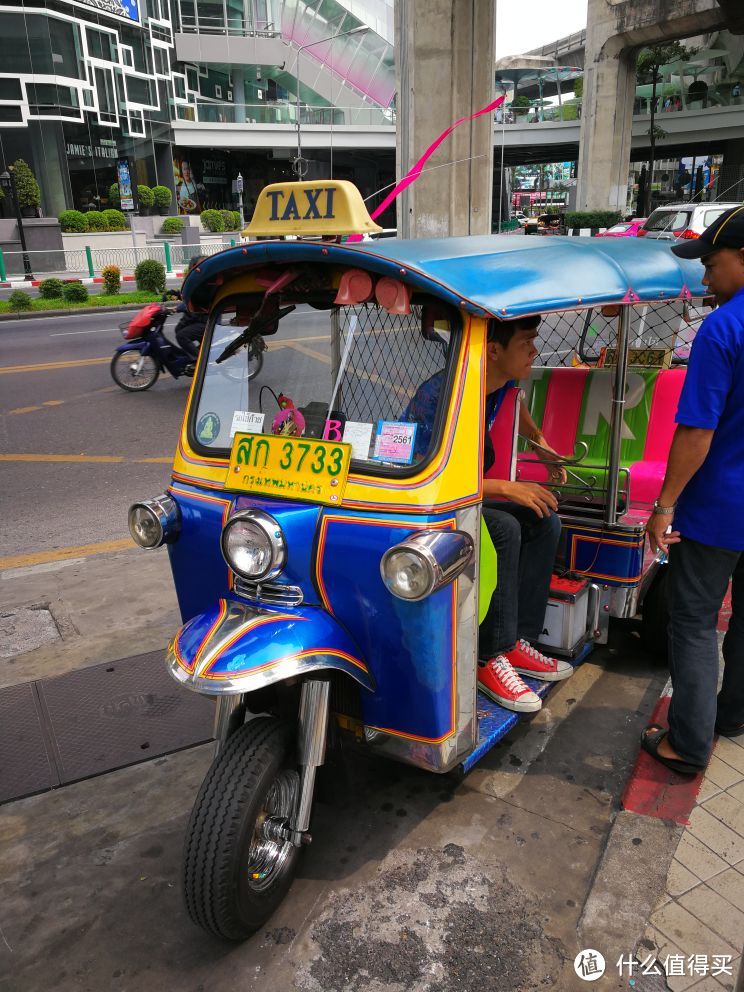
point(154, 522)
point(424, 562)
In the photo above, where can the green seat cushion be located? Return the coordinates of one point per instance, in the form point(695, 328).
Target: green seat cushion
point(488, 573)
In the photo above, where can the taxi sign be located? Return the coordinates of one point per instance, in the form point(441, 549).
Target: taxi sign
point(321, 207)
point(293, 467)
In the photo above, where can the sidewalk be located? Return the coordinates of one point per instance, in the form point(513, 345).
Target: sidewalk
point(415, 882)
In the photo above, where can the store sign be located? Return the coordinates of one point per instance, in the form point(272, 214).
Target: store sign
point(75, 150)
point(127, 10)
point(125, 184)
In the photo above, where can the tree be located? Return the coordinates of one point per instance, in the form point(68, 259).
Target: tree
point(29, 194)
point(650, 60)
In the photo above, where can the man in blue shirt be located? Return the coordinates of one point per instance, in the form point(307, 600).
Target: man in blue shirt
point(702, 498)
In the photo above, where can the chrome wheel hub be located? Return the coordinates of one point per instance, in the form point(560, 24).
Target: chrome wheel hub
point(269, 850)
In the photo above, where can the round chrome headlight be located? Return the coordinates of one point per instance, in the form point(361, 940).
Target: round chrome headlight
point(154, 522)
point(253, 545)
point(407, 573)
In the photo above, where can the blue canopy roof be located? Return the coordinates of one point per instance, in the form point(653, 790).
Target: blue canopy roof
point(501, 275)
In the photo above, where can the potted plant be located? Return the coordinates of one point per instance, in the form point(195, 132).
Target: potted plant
point(162, 198)
point(114, 197)
point(146, 199)
point(29, 194)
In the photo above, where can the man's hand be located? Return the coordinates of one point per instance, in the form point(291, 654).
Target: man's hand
point(656, 529)
point(546, 454)
point(530, 494)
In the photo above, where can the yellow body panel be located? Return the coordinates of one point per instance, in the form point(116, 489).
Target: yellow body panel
point(452, 478)
point(323, 207)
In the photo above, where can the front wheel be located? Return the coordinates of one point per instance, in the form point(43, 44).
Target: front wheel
point(237, 866)
point(134, 371)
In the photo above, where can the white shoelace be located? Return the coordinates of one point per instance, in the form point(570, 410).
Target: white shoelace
point(528, 649)
point(503, 670)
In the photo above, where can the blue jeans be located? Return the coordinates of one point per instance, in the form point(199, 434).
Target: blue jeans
point(698, 578)
point(525, 545)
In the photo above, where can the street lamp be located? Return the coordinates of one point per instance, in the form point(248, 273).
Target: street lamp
point(239, 191)
point(300, 165)
point(8, 184)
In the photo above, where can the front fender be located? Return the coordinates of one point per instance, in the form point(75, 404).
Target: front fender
point(136, 344)
point(233, 648)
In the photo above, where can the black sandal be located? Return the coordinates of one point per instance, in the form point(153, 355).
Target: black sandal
point(651, 738)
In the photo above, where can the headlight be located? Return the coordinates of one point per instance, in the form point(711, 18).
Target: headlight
point(154, 522)
point(424, 562)
point(253, 545)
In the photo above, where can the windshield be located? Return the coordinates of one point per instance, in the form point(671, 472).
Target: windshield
point(619, 228)
point(668, 220)
point(357, 374)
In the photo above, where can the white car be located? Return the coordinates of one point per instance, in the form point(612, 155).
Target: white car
point(682, 220)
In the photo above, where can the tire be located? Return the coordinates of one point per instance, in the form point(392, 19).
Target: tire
point(244, 373)
point(123, 375)
point(251, 778)
point(655, 616)
point(255, 364)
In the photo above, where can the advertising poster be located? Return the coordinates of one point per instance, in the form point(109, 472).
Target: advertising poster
point(127, 10)
point(125, 184)
point(201, 181)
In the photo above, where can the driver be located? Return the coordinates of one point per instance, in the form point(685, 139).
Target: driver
point(522, 523)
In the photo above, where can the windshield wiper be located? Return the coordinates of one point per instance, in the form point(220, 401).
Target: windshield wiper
point(255, 327)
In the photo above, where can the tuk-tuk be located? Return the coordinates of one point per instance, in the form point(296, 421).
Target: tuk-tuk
point(327, 548)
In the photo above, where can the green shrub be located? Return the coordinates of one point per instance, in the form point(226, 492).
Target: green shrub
point(115, 220)
point(236, 220)
point(213, 221)
point(96, 221)
point(592, 218)
point(51, 289)
point(111, 279)
point(29, 194)
point(18, 300)
point(162, 197)
point(114, 197)
point(150, 276)
point(228, 219)
point(145, 196)
point(172, 225)
point(75, 292)
point(73, 222)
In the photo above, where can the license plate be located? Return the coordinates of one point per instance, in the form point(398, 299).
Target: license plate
point(294, 468)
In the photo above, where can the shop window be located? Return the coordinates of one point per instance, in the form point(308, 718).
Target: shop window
point(179, 87)
point(161, 61)
point(10, 89)
point(101, 45)
point(138, 90)
point(192, 78)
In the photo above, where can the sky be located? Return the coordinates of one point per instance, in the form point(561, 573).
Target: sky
point(522, 25)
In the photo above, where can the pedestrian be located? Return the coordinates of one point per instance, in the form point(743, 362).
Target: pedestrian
point(701, 497)
point(521, 521)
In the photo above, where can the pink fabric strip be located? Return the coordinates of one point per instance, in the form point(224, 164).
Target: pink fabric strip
point(661, 425)
point(560, 422)
point(417, 169)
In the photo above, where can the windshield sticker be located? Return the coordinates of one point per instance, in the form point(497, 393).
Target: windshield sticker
point(289, 423)
point(208, 428)
point(394, 441)
point(358, 435)
point(245, 422)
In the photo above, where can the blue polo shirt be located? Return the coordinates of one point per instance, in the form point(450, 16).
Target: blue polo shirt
point(711, 507)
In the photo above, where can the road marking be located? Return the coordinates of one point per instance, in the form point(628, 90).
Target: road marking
point(60, 554)
point(71, 399)
point(96, 459)
point(69, 334)
point(310, 352)
point(48, 366)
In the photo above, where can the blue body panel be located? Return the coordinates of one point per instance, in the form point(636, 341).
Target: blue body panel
point(611, 557)
point(499, 275)
point(409, 647)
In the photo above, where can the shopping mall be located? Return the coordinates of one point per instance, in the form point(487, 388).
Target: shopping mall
point(190, 96)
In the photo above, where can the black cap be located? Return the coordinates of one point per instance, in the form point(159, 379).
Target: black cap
point(725, 232)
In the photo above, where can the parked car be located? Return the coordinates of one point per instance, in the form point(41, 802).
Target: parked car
point(682, 220)
point(521, 216)
point(625, 229)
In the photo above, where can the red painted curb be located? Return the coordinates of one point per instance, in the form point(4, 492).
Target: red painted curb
point(655, 790)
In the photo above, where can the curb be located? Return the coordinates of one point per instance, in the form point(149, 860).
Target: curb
point(24, 283)
point(68, 313)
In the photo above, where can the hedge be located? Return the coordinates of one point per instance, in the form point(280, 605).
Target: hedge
point(145, 196)
point(18, 300)
point(51, 289)
point(150, 276)
point(592, 218)
point(115, 220)
point(73, 222)
point(162, 197)
point(96, 221)
point(75, 292)
point(213, 221)
point(172, 225)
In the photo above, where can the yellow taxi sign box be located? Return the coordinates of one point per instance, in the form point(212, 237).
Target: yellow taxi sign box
point(323, 207)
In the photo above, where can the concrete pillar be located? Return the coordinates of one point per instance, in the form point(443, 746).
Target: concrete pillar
point(615, 30)
point(238, 91)
point(444, 55)
point(730, 184)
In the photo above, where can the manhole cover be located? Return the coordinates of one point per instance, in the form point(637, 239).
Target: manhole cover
point(25, 630)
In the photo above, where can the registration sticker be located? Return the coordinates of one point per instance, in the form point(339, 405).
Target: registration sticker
point(291, 467)
point(208, 428)
point(394, 441)
point(358, 435)
point(246, 422)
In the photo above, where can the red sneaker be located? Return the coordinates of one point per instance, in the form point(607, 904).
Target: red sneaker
point(498, 680)
point(529, 661)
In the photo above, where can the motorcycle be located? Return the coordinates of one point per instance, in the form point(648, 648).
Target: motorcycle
point(137, 364)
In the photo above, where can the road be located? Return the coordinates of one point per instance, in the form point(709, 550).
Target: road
point(76, 449)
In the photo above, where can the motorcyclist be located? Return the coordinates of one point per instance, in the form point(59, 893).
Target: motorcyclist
point(190, 328)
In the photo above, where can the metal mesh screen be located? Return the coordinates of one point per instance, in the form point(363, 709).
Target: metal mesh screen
point(383, 358)
point(588, 336)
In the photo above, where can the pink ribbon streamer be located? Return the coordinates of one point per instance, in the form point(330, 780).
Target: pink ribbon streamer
point(413, 174)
